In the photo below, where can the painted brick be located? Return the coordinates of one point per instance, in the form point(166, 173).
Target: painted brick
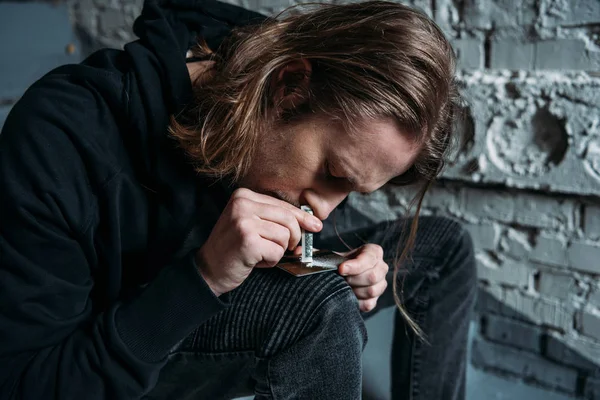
point(488, 204)
point(113, 20)
point(515, 304)
point(574, 12)
point(544, 212)
point(512, 54)
point(535, 309)
point(511, 332)
point(516, 243)
point(594, 298)
point(589, 323)
point(442, 198)
point(469, 53)
point(591, 221)
point(506, 272)
point(485, 14)
point(584, 256)
point(591, 389)
point(556, 284)
point(489, 299)
point(549, 250)
point(578, 352)
point(532, 367)
point(564, 54)
point(422, 5)
point(485, 235)
point(560, 53)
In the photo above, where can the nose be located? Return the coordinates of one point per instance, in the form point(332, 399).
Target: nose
point(323, 203)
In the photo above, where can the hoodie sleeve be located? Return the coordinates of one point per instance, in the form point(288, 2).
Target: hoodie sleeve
point(53, 343)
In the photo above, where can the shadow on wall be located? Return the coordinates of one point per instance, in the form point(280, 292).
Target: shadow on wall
point(513, 344)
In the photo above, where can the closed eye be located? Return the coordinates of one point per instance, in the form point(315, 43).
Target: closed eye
point(330, 176)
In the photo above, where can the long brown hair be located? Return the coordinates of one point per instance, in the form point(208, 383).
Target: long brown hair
point(369, 59)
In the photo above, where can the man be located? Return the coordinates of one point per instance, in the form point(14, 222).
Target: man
point(137, 263)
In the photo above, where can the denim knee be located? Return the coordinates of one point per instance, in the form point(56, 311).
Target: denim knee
point(451, 246)
point(340, 313)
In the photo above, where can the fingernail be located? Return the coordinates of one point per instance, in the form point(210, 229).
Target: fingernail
point(346, 268)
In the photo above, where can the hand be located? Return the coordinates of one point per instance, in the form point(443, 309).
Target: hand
point(254, 230)
point(365, 273)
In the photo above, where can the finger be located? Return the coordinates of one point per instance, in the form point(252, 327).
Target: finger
point(367, 305)
point(298, 251)
point(370, 292)
point(243, 208)
point(271, 253)
point(369, 277)
point(283, 217)
point(306, 220)
point(367, 258)
point(274, 232)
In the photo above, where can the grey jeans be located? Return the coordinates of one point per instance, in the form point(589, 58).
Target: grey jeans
point(302, 338)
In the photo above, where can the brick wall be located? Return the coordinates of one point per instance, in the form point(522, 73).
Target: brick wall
point(526, 186)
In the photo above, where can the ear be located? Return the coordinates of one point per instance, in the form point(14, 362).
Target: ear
point(291, 84)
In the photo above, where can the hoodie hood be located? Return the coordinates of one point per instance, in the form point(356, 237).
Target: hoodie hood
point(157, 85)
point(168, 28)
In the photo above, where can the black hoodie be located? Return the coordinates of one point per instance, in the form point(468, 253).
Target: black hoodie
point(101, 215)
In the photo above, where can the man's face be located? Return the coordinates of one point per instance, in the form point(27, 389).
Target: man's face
point(317, 163)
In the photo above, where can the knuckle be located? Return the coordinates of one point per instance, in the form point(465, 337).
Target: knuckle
point(373, 277)
point(243, 226)
point(239, 193)
point(386, 268)
point(372, 303)
point(239, 205)
point(247, 242)
point(368, 305)
point(372, 291)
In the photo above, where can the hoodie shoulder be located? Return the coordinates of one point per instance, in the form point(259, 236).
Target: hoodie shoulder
point(77, 108)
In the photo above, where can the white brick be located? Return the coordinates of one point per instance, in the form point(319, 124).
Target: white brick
point(469, 53)
point(543, 55)
point(574, 12)
point(516, 243)
point(489, 298)
point(536, 309)
point(564, 54)
point(511, 332)
point(488, 204)
point(556, 284)
point(484, 235)
point(592, 388)
point(589, 323)
point(549, 250)
point(578, 351)
point(485, 14)
point(591, 221)
point(442, 198)
point(502, 272)
point(532, 367)
point(512, 54)
point(584, 256)
point(544, 212)
point(594, 298)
